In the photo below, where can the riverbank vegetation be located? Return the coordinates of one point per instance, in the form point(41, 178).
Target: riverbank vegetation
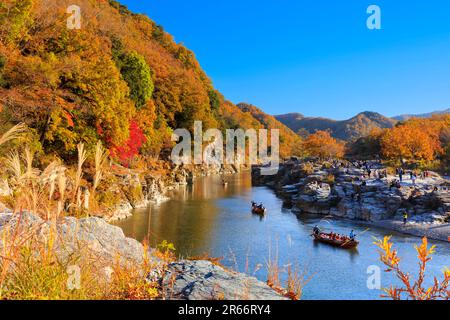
point(33, 267)
point(413, 289)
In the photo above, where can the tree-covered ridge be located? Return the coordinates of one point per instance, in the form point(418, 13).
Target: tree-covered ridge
point(120, 78)
point(290, 143)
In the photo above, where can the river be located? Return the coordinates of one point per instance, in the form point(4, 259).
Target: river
point(210, 218)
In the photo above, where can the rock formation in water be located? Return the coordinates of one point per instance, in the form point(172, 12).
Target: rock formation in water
point(341, 191)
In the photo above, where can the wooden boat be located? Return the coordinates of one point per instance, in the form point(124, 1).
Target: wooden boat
point(341, 243)
point(258, 210)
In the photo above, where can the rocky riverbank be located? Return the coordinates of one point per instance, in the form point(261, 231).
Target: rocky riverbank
point(342, 190)
point(105, 245)
point(95, 243)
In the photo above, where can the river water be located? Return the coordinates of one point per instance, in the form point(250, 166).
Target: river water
point(210, 218)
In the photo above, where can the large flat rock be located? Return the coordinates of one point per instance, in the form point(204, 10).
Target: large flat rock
point(202, 280)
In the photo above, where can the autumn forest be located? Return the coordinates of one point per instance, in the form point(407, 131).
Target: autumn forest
point(123, 80)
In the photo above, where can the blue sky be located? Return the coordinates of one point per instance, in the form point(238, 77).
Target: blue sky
point(317, 57)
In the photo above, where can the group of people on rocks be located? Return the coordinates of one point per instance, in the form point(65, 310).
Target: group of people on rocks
point(412, 175)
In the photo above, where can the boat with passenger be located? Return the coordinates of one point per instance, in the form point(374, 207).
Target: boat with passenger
point(258, 208)
point(336, 240)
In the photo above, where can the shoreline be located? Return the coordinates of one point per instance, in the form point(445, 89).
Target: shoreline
point(435, 232)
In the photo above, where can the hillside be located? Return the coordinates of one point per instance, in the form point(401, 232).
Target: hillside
point(423, 115)
point(288, 139)
point(351, 129)
point(120, 78)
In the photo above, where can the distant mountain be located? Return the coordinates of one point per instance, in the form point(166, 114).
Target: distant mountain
point(354, 128)
point(423, 115)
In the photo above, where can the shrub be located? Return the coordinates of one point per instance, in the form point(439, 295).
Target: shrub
point(307, 167)
point(411, 289)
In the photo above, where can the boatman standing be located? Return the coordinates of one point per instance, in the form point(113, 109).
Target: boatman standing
point(316, 230)
point(352, 235)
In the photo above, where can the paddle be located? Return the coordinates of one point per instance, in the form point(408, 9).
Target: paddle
point(367, 229)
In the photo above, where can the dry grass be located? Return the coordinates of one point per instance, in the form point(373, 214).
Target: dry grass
point(13, 133)
point(101, 157)
point(296, 278)
point(31, 268)
point(82, 156)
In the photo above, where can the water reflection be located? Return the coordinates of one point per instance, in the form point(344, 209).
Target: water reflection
point(188, 218)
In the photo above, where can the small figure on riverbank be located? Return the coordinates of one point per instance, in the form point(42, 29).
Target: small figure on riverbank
point(413, 178)
point(400, 173)
point(405, 218)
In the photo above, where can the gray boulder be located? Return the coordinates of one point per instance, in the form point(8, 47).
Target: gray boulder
point(89, 237)
point(202, 280)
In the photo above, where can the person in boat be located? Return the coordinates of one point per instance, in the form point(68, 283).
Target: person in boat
point(352, 235)
point(316, 230)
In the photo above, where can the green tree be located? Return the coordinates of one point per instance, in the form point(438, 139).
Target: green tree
point(215, 100)
point(136, 73)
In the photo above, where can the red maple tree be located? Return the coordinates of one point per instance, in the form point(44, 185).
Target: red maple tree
point(130, 148)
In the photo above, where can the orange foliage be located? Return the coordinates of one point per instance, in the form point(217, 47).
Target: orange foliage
point(413, 289)
point(321, 144)
point(417, 139)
